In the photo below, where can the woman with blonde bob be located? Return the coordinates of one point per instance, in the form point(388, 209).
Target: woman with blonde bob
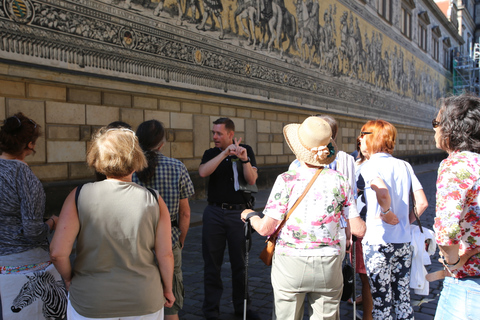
point(119, 227)
point(386, 244)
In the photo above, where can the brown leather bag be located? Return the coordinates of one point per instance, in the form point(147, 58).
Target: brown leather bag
point(267, 253)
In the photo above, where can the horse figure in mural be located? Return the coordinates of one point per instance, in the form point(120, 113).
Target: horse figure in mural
point(289, 29)
point(273, 19)
point(383, 73)
point(359, 56)
point(308, 29)
point(247, 10)
point(369, 59)
point(270, 14)
point(348, 46)
point(42, 285)
point(413, 81)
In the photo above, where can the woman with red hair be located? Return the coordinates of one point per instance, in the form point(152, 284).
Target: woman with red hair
point(386, 244)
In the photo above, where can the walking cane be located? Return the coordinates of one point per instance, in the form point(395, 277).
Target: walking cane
point(248, 244)
point(354, 294)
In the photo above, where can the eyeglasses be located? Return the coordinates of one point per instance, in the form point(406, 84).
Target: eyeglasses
point(435, 123)
point(20, 122)
point(363, 133)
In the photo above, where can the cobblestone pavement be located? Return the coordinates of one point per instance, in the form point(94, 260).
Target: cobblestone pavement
point(259, 275)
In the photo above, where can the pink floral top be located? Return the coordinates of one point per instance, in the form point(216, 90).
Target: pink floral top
point(313, 228)
point(458, 211)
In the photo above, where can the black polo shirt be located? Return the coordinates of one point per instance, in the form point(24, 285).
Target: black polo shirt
point(221, 184)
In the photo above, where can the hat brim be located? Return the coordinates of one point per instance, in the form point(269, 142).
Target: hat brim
point(290, 131)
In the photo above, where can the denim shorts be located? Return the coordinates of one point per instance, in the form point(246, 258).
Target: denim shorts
point(459, 299)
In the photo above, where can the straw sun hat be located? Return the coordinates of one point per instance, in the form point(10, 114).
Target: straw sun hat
point(311, 141)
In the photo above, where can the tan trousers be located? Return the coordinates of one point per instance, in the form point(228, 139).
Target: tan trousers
point(319, 279)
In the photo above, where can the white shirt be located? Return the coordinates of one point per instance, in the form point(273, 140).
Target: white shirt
point(398, 181)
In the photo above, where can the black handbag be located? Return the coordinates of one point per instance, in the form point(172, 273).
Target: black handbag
point(348, 281)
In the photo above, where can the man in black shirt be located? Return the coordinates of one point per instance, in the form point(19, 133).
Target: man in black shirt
point(221, 218)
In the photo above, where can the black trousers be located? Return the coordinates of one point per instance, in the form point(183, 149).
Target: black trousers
point(219, 228)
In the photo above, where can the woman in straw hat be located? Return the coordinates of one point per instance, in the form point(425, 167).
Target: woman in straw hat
point(386, 244)
point(307, 260)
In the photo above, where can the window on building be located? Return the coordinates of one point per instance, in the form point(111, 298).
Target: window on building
point(384, 9)
point(435, 48)
point(446, 52)
point(423, 22)
point(436, 35)
point(406, 26)
point(407, 7)
point(422, 37)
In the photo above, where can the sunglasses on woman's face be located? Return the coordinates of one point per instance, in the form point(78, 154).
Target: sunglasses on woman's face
point(435, 123)
point(363, 133)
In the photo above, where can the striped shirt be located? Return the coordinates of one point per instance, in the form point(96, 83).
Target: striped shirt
point(173, 183)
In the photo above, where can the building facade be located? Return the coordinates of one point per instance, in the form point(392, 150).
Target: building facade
point(76, 65)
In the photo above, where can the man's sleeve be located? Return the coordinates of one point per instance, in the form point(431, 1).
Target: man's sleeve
point(251, 155)
point(207, 156)
point(186, 184)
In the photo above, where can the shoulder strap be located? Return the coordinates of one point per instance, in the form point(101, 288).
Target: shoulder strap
point(414, 209)
point(295, 205)
point(152, 191)
point(77, 193)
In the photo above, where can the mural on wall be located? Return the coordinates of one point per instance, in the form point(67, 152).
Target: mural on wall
point(258, 44)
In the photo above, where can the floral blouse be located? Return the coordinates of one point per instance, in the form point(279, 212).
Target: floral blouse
point(458, 211)
point(313, 228)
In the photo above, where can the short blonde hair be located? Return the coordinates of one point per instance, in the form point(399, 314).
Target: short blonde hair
point(115, 152)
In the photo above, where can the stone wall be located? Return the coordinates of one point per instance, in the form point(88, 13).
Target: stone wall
point(70, 108)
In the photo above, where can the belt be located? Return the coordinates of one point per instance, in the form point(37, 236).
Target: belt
point(228, 206)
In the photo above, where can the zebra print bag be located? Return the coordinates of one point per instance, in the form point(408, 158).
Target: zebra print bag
point(35, 295)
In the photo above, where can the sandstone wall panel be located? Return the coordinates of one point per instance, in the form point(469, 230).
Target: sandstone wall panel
point(12, 88)
point(38, 91)
point(101, 116)
point(84, 96)
point(65, 113)
point(145, 102)
point(66, 151)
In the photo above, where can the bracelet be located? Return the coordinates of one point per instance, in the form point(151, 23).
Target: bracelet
point(246, 161)
point(388, 210)
point(450, 264)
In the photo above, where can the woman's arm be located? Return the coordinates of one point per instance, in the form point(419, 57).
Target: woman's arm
point(421, 204)
point(264, 226)
point(66, 232)
point(384, 200)
point(163, 251)
point(357, 227)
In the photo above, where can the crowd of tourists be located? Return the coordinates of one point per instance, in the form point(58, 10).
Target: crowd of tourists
point(127, 229)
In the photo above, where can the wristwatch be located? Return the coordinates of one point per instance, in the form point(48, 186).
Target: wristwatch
point(246, 161)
